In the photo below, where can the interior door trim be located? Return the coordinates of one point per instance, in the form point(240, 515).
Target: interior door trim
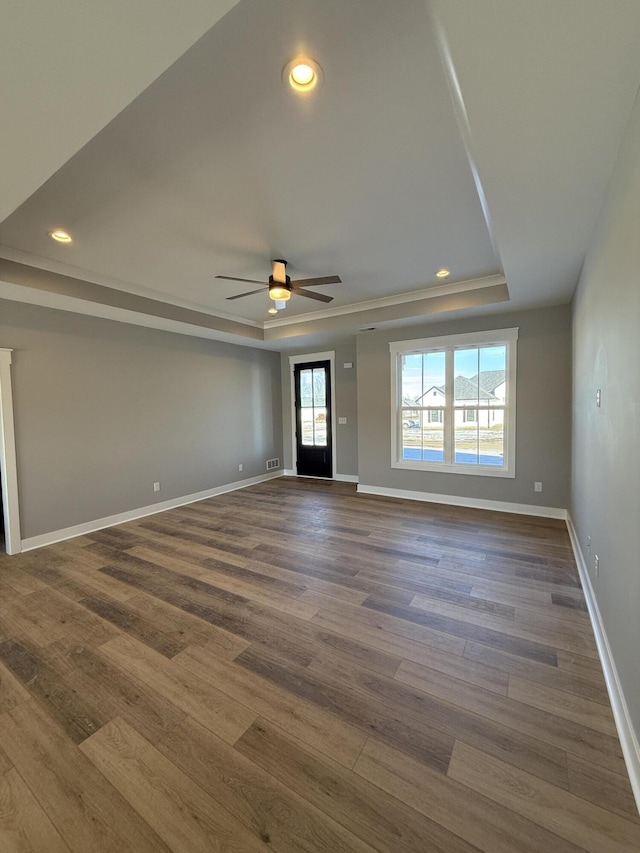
point(301, 359)
point(8, 461)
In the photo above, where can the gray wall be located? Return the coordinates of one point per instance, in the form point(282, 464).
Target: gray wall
point(606, 446)
point(346, 435)
point(103, 409)
point(543, 412)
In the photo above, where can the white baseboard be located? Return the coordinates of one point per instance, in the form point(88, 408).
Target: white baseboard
point(473, 503)
point(289, 472)
point(626, 731)
point(347, 478)
point(132, 515)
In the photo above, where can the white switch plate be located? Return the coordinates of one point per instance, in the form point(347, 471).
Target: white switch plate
point(240, 467)
point(598, 397)
point(156, 487)
point(342, 420)
point(348, 364)
point(537, 487)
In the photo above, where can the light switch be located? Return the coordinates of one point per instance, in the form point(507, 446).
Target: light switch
point(342, 420)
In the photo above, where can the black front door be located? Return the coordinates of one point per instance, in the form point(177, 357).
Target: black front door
point(313, 419)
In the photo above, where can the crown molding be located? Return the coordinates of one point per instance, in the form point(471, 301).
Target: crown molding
point(390, 301)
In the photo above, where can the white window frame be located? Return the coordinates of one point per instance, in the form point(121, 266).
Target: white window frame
point(450, 343)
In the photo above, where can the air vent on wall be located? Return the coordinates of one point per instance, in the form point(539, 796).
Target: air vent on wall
point(272, 464)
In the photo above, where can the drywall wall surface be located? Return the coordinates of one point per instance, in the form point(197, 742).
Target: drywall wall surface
point(543, 411)
point(104, 409)
point(605, 502)
point(346, 435)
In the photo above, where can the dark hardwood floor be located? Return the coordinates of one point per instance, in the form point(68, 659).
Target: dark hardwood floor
point(299, 668)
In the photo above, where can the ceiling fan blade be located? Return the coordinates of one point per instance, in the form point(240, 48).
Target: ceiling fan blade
point(250, 293)
point(313, 282)
point(250, 280)
point(300, 291)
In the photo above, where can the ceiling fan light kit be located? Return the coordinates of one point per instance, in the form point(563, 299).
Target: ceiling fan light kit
point(279, 292)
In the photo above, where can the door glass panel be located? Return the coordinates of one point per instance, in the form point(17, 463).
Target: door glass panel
point(319, 387)
point(306, 388)
point(320, 426)
point(306, 424)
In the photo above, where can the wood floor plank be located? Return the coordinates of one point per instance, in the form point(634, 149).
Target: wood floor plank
point(431, 745)
point(605, 789)
point(490, 827)
point(535, 628)
point(520, 748)
point(335, 590)
point(89, 673)
point(131, 623)
point(557, 732)
point(171, 802)
point(185, 628)
point(585, 666)
point(211, 571)
point(373, 616)
point(563, 704)
point(24, 826)
point(482, 676)
point(273, 812)
point(197, 698)
point(552, 676)
point(384, 822)
point(92, 582)
point(593, 828)
point(302, 719)
point(224, 609)
point(496, 635)
point(77, 715)
point(12, 692)
point(86, 810)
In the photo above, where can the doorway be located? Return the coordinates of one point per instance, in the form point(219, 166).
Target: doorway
point(312, 398)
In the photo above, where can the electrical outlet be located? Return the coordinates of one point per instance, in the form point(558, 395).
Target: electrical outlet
point(598, 397)
point(596, 565)
point(342, 420)
point(537, 487)
point(156, 487)
point(241, 467)
point(589, 542)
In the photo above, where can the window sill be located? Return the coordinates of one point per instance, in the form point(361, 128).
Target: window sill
point(441, 468)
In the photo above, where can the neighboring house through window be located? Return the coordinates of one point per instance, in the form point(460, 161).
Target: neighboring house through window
point(453, 403)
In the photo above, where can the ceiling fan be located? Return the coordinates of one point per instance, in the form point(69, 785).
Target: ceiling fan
point(281, 287)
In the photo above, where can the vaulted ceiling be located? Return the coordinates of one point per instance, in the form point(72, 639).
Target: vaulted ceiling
point(478, 135)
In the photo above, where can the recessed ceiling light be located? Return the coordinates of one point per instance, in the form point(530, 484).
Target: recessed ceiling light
point(61, 236)
point(443, 273)
point(303, 75)
point(273, 310)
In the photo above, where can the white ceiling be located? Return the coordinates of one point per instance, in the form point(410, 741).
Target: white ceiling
point(217, 166)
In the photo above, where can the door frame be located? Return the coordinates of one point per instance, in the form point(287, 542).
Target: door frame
point(302, 359)
point(13, 543)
